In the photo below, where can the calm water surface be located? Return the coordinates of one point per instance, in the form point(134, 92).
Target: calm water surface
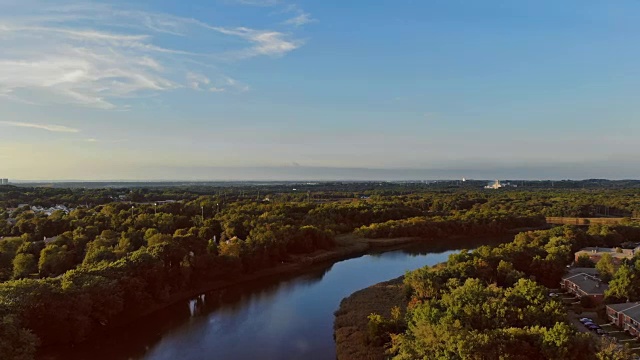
point(278, 318)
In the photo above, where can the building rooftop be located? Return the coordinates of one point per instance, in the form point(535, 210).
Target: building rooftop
point(50, 240)
point(589, 284)
point(633, 313)
point(623, 306)
point(631, 310)
point(581, 270)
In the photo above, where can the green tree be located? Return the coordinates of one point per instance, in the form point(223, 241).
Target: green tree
point(606, 267)
point(585, 261)
point(150, 233)
point(507, 275)
point(159, 239)
point(8, 249)
point(98, 253)
point(609, 350)
point(24, 265)
point(624, 285)
point(55, 260)
point(231, 248)
point(376, 329)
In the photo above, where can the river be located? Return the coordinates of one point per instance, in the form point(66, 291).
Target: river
point(284, 317)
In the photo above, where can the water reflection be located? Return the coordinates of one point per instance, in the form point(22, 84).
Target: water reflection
point(134, 341)
point(281, 317)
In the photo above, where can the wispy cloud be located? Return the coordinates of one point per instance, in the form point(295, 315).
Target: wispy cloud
point(201, 82)
point(197, 81)
point(269, 43)
point(47, 127)
point(300, 19)
point(98, 55)
point(236, 85)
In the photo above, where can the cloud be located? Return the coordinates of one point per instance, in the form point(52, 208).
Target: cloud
point(201, 82)
point(81, 67)
point(52, 128)
point(299, 20)
point(299, 16)
point(269, 43)
point(197, 81)
point(236, 85)
point(98, 55)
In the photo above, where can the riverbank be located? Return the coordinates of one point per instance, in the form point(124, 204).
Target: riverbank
point(351, 318)
point(350, 326)
point(347, 247)
point(288, 316)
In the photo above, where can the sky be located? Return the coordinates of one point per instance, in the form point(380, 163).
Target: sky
point(319, 90)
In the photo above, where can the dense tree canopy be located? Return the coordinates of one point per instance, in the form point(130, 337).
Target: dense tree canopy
point(485, 304)
point(103, 254)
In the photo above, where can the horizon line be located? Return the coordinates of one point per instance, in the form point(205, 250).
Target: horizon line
point(26, 181)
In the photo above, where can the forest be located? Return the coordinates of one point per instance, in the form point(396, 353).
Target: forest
point(76, 261)
point(493, 303)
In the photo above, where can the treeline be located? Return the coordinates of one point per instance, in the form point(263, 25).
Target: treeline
point(491, 304)
point(593, 199)
point(462, 224)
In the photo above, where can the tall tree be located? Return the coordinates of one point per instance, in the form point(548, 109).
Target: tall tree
point(24, 265)
point(606, 267)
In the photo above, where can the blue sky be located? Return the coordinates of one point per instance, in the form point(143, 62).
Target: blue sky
point(275, 89)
